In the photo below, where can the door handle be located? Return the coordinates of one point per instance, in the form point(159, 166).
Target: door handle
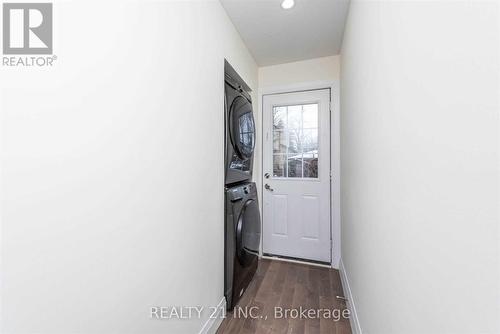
point(268, 187)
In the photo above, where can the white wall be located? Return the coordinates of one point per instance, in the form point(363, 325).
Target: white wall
point(420, 165)
point(312, 70)
point(112, 169)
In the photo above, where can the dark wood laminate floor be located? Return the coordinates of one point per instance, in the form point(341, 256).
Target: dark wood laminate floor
point(288, 286)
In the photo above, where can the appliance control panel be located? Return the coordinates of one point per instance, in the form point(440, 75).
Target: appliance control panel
point(238, 193)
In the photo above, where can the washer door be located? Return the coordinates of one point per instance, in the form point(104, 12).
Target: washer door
point(242, 127)
point(248, 233)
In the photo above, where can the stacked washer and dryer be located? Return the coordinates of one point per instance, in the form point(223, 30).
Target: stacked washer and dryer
point(242, 217)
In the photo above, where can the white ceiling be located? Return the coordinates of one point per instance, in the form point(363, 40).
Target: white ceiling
point(312, 28)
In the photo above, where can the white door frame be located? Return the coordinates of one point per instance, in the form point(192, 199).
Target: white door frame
point(334, 157)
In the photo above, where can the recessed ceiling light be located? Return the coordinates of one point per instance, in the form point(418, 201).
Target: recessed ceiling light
point(287, 4)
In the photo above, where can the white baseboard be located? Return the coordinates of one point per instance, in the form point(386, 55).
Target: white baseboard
point(213, 323)
point(353, 319)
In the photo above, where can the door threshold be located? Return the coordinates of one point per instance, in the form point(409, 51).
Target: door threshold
point(296, 260)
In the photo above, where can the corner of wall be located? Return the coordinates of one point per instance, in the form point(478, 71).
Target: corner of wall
point(353, 319)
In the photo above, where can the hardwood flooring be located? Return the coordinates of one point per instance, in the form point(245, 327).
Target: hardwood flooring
point(279, 286)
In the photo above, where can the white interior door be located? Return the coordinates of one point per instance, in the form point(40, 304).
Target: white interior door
point(296, 166)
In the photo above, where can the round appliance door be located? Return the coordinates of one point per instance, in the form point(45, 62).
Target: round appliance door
point(248, 233)
point(242, 127)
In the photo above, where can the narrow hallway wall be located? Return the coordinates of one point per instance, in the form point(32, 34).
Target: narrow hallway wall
point(112, 169)
point(420, 165)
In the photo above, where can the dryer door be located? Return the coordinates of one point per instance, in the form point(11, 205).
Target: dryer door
point(242, 127)
point(248, 233)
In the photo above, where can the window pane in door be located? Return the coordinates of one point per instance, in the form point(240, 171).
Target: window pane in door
point(279, 118)
point(280, 142)
point(310, 116)
point(294, 117)
point(309, 140)
point(295, 165)
point(295, 141)
point(279, 165)
point(310, 160)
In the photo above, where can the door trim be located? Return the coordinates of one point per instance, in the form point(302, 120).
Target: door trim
point(335, 223)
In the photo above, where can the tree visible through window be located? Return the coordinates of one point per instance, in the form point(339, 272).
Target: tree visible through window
point(295, 141)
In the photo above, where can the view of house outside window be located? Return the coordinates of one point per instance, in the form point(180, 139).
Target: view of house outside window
point(295, 141)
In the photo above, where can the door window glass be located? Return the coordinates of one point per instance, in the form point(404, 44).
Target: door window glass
point(295, 141)
point(247, 134)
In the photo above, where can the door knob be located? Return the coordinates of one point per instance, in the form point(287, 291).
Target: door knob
point(268, 187)
point(266, 175)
